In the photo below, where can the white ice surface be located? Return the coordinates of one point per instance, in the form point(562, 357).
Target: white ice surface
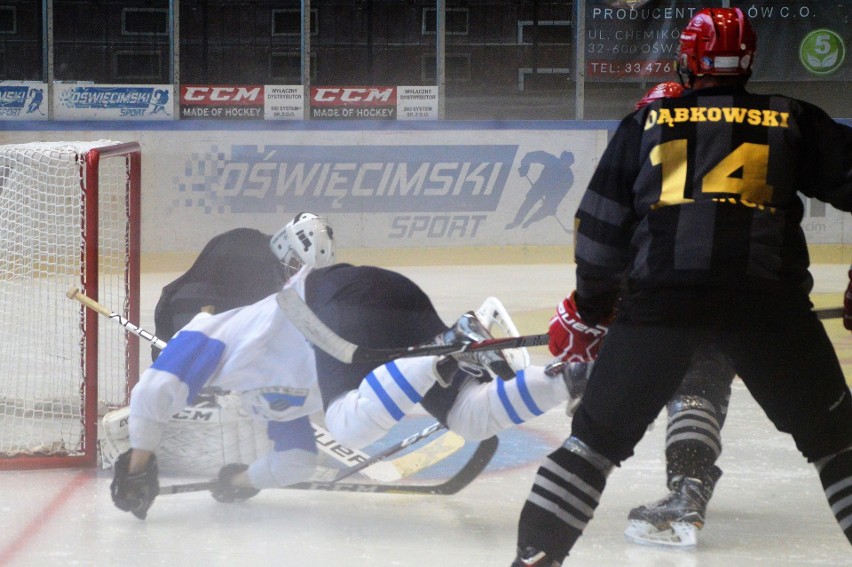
point(769, 509)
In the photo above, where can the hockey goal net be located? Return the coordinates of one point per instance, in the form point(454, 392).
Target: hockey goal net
point(69, 216)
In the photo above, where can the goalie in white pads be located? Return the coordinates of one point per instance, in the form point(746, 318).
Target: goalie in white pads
point(253, 351)
point(258, 354)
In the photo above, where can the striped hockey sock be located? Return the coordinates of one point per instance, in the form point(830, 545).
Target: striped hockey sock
point(835, 473)
point(564, 496)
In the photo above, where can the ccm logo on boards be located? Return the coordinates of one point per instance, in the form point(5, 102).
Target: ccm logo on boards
point(357, 96)
point(223, 94)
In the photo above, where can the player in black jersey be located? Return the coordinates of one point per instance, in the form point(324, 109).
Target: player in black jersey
point(696, 415)
point(240, 267)
point(696, 201)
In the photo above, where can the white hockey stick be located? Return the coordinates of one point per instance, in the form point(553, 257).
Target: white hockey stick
point(324, 338)
point(381, 469)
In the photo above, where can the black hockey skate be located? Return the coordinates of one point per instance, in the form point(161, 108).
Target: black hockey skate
point(531, 557)
point(482, 364)
point(676, 519)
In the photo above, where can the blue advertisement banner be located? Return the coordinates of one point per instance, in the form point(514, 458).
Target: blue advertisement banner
point(85, 101)
point(23, 100)
point(324, 179)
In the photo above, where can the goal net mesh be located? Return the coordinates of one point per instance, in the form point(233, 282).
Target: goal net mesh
point(45, 191)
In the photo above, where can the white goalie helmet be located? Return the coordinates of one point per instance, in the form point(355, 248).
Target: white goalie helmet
point(305, 240)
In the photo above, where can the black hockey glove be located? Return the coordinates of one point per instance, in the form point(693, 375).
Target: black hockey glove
point(227, 492)
point(134, 493)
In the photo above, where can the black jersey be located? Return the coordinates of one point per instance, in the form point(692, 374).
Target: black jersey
point(703, 192)
point(234, 269)
point(377, 308)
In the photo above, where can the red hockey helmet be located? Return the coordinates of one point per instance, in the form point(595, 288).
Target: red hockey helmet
point(716, 41)
point(662, 90)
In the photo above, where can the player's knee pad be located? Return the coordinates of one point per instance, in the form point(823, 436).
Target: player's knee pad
point(581, 449)
point(693, 426)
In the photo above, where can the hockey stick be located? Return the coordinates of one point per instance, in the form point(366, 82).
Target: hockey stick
point(75, 293)
point(467, 474)
point(323, 337)
point(379, 467)
point(389, 471)
point(829, 313)
point(378, 458)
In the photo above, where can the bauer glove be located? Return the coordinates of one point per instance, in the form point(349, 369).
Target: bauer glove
point(135, 492)
point(570, 338)
point(225, 491)
point(847, 304)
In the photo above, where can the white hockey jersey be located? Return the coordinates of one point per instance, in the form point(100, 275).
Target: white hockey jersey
point(254, 351)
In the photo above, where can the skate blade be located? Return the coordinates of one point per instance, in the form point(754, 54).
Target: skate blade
point(679, 534)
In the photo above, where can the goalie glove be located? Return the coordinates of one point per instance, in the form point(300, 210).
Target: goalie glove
point(135, 492)
point(570, 338)
point(225, 491)
point(847, 304)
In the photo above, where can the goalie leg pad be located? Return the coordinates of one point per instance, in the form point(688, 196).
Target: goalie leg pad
point(115, 436)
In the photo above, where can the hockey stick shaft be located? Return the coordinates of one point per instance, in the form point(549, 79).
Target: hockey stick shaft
point(829, 313)
point(380, 467)
point(324, 338)
point(467, 474)
point(77, 295)
point(381, 456)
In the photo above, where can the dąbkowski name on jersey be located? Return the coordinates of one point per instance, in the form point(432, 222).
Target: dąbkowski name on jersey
point(735, 115)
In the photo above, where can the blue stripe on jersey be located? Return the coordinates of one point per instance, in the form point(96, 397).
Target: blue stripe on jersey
point(403, 384)
point(507, 405)
point(524, 391)
point(192, 357)
point(383, 396)
point(295, 434)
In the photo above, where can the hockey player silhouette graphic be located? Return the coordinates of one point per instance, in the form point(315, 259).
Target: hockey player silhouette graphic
point(549, 188)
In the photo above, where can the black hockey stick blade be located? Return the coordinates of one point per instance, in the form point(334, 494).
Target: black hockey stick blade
point(330, 342)
point(472, 468)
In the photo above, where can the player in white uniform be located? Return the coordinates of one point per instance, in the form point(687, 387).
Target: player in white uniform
point(256, 352)
point(252, 350)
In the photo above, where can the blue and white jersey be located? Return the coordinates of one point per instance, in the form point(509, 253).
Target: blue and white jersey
point(254, 351)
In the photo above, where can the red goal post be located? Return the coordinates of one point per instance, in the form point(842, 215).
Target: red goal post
point(69, 216)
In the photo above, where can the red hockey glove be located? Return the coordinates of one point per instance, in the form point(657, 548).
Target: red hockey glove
point(847, 305)
point(571, 339)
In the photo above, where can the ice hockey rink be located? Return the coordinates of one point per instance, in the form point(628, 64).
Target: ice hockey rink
point(768, 509)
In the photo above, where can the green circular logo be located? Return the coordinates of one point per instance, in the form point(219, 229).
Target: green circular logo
point(822, 52)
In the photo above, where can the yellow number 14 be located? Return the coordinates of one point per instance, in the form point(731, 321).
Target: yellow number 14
point(742, 172)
